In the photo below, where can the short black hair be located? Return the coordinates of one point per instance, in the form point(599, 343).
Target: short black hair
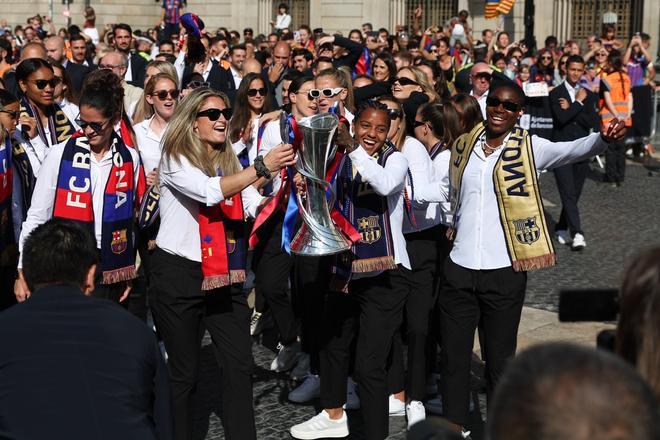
point(500, 82)
point(237, 47)
point(6, 98)
point(162, 43)
point(574, 59)
point(77, 37)
point(6, 46)
point(370, 104)
point(124, 27)
point(58, 251)
point(304, 52)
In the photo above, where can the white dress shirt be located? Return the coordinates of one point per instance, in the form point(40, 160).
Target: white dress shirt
point(270, 139)
point(71, 111)
point(182, 188)
point(251, 145)
point(436, 189)
point(482, 102)
point(480, 242)
point(236, 75)
point(572, 90)
point(419, 164)
point(283, 21)
point(43, 198)
point(148, 144)
point(387, 182)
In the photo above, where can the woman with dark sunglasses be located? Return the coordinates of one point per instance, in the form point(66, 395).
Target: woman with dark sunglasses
point(252, 101)
point(42, 122)
point(200, 260)
point(544, 69)
point(92, 178)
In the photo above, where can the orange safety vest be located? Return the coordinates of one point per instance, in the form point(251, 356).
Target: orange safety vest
point(618, 84)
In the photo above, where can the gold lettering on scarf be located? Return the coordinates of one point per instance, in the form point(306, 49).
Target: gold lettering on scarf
point(513, 168)
point(62, 126)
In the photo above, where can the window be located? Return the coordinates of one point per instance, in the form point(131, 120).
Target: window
point(435, 12)
point(588, 17)
point(298, 10)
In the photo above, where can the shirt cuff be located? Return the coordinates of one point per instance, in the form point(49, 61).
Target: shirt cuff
point(213, 191)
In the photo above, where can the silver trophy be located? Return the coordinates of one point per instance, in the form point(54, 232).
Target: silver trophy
point(320, 236)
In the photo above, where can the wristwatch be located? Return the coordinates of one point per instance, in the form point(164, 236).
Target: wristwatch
point(261, 169)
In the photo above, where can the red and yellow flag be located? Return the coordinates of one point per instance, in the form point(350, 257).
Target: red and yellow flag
point(497, 7)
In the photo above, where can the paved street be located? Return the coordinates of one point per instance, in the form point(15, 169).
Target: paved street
point(617, 224)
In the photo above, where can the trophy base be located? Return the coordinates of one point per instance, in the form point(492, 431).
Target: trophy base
point(307, 244)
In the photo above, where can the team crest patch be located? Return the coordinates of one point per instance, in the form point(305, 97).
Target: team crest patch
point(527, 231)
point(119, 241)
point(369, 229)
point(231, 242)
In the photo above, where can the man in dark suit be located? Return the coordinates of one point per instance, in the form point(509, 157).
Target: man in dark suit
point(137, 65)
point(218, 77)
point(77, 72)
point(574, 115)
point(73, 366)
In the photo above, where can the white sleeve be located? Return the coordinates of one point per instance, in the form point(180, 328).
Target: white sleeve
point(419, 164)
point(251, 201)
point(385, 181)
point(43, 197)
point(286, 21)
point(549, 155)
point(271, 137)
point(437, 190)
point(179, 66)
point(190, 181)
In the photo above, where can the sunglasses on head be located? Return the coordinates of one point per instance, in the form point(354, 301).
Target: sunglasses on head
point(328, 93)
point(12, 113)
point(509, 106)
point(253, 92)
point(42, 83)
point(394, 113)
point(97, 127)
point(214, 113)
point(197, 84)
point(483, 76)
point(406, 81)
point(163, 94)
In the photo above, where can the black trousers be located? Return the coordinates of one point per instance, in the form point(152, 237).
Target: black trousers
point(427, 250)
point(570, 181)
point(182, 311)
point(376, 305)
point(615, 162)
point(492, 299)
point(272, 269)
point(311, 280)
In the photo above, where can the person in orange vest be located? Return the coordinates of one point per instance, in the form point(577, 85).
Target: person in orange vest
point(617, 102)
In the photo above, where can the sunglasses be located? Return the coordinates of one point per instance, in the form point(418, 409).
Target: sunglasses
point(197, 84)
point(418, 124)
point(97, 127)
point(163, 94)
point(546, 58)
point(601, 54)
point(42, 83)
point(485, 76)
point(394, 113)
point(509, 106)
point(12, 113)
point(214, 113)
point(253, 92)
point(328, 93)
point(403, 81)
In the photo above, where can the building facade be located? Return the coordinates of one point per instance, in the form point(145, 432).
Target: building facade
point(567, 19)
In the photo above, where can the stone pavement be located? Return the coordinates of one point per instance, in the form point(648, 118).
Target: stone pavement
point(618, 223)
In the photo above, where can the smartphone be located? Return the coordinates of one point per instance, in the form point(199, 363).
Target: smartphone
point(578, 305)
point(296, 36)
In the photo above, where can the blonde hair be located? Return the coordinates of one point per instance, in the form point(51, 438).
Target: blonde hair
point(180, 138)
point(422, 80)
point(163, 67)
point(144, 110)
point(341, 76)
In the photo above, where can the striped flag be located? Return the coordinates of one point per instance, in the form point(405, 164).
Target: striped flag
point(505, 6)
point(491, 9)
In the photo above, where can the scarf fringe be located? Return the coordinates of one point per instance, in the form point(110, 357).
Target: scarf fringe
point(119, 275)
point(222, 280)
point(534, 263)
point(373, 264)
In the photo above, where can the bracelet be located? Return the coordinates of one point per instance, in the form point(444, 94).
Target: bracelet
point(261, 168)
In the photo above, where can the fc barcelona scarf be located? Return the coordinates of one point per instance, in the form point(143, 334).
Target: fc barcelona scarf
point(224, 243)
point(24, 173)
point(518, 197)
point(59, 126)
point(6, 232)
point(369, 214)
point(73, 201)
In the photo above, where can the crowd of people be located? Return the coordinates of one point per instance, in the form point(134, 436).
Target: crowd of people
point(164, 164)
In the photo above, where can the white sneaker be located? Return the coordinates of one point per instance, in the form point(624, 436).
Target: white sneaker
point(301, 370)
point(465, 434)
point(579, 242)
point(256, 323)
point(563, 237)
point(286, 358)
point(415, 412)
point(321, 426)
point(352, 399)
point(397, 407)
point(310, 389)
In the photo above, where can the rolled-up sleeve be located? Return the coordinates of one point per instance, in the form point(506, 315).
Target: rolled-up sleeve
point(190, 181)
point(384, 180)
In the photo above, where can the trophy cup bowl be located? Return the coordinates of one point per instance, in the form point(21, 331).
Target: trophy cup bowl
point(318, 236)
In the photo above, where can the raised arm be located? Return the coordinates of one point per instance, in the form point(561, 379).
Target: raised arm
point(384, 180)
